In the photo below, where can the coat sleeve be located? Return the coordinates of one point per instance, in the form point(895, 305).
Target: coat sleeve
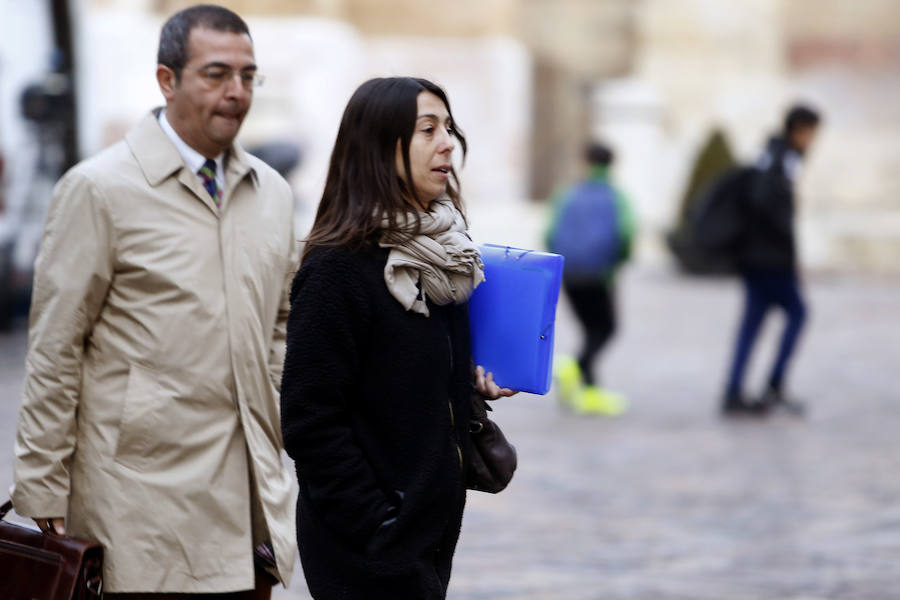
point(72, 276)
point(279, 334)
point(326, 338)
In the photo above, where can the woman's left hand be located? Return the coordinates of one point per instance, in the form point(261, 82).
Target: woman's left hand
point(488, 388)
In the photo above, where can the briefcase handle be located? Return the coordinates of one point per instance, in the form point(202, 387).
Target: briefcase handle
point(93, 575)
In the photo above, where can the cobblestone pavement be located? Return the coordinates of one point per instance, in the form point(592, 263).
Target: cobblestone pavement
point(671, 501)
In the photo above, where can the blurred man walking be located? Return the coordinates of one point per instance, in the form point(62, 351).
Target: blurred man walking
point(769, 266)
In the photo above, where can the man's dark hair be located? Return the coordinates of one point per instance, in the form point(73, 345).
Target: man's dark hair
point(173, 40)
point(800, 115)
point(596, 153)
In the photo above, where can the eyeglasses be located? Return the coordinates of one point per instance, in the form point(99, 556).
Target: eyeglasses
point(216, 76)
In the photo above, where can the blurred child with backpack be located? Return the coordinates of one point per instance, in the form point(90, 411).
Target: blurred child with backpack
point(593, 228)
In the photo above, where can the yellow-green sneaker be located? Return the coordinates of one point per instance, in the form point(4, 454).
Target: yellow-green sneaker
point(568, 376)
point(598, 401)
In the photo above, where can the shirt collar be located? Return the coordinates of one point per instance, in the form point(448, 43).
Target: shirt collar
point(193, 159)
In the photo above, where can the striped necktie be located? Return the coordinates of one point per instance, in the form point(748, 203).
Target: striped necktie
point(207, 174)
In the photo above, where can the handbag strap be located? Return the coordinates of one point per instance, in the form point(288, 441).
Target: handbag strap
point(7, 506)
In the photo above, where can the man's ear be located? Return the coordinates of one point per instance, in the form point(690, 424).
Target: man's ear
point(167, 81)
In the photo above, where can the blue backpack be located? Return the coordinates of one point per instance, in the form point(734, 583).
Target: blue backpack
point(587, 230)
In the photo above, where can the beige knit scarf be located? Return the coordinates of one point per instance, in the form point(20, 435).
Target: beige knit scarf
point(441, 256)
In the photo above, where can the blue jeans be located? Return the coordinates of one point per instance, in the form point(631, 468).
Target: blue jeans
point(765, 289)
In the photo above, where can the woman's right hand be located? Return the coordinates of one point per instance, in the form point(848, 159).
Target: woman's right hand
point(488, 388)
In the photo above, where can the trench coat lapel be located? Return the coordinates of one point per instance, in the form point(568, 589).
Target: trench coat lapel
point(159, 159)
point(238, 167)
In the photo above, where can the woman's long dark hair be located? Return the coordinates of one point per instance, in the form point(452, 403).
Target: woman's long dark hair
point(363, 184)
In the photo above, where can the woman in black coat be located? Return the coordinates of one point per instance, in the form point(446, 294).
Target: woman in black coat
point(378, 376)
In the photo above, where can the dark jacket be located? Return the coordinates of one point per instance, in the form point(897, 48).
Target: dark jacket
point(770, 241)
point(375, 411)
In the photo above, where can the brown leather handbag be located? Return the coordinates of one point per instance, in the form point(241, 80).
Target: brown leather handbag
point(493, 459)
point(39, 566)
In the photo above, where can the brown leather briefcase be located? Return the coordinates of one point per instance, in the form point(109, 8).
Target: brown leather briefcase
point(38, 566)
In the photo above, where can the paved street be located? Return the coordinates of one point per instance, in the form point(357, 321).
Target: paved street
point(671, 501)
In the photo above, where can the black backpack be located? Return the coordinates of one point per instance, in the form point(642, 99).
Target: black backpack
point(719, 223)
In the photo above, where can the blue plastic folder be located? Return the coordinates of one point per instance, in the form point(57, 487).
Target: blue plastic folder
point(512, 316)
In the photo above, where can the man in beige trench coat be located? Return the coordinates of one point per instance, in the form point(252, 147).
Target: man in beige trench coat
point(150, 420)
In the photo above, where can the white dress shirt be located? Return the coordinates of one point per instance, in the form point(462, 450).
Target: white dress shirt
point(193, 159)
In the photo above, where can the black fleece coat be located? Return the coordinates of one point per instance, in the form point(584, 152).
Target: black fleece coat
point(769, 242)
point(375, 405)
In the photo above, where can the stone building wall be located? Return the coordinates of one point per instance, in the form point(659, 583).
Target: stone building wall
point(846, 56)
point(651, 76)
point(738, 65)
point(571, 43)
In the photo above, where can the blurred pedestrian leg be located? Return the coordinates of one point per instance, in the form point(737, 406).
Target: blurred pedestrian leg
point(765, 289)
point(594, 307)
